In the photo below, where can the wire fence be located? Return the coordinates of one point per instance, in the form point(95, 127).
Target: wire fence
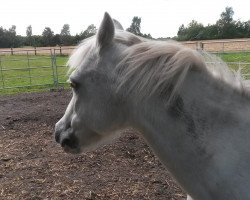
point(221, 46)
point(59, 50)
point(46, 68)
point(244, 68)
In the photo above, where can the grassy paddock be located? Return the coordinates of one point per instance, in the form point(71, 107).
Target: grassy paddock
point(238, 60)
point(22, 73)
point(36, 72)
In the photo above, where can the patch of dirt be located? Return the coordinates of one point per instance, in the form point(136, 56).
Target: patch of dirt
point(33, 166)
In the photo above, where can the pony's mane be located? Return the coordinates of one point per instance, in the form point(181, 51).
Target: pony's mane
point(79, 54)
point(149, 66)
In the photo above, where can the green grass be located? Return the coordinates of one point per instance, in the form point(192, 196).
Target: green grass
point(235, 57)
point(238, 60)
point(35, 73)
point(23, 73)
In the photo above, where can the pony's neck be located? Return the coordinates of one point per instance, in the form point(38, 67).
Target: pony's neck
point(213, 104)
point(203, 119)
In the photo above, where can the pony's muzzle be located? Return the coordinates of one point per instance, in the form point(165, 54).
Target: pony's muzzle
point(69, 143)
point(67, 139)
point(62, 128)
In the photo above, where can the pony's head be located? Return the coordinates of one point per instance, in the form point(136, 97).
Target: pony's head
point(114, 73)
point(94, 112)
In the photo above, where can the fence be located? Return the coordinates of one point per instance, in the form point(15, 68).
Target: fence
point(38, 68)
point(59, 50)
point(214, 46)
point(243, 66)
point(46, 68)
point(221, 46)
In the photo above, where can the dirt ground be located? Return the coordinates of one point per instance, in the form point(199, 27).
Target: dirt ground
point(33, 166)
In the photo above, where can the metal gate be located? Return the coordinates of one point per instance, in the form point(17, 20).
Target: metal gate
point(31, 70)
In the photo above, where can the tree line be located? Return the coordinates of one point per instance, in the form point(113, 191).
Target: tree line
point(224, 28)
point(9, 38)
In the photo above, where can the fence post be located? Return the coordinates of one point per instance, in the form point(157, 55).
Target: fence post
point(1, 68)
point(29, 66)
point(35, 50)
point(55, 65)
point(202, 46)
point(55, 82)
point(60, 50)
point(11, 49)
point(199, 46)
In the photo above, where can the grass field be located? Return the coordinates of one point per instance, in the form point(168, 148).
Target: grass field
point(238, 60)
point(236, 57)
point(22, 73)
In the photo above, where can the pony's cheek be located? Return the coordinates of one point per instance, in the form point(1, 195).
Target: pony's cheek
point(87, 139)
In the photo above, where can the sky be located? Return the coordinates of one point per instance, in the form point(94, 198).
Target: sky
point(160, 18)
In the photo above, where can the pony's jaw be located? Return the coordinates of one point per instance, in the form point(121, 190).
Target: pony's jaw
point(76, 141)
point(68, 149)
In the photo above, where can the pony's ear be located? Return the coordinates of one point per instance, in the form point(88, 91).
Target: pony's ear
point(118, 25)
point(106, 31)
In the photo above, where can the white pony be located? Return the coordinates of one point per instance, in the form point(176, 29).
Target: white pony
point(195, 116)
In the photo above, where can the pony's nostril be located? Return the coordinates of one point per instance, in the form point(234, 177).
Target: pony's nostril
point(69, 142)
point(66, 142)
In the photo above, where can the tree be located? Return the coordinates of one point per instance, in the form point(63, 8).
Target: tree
point(65, 30)
point(29, 31)
point(47, 36)
point(226, 27)
point(227, 16)
point(90, 31)
point(8, 38)
point(181, 30)
point(247, 29)
point(37, 40)
point(194, 31)
point(182, 33)
point(147, 36)
point(135, 26)
point(211, 32)
point(226, 24)
point(2, 38)
point(65, 37)
point(12, 35)
point(12, 30)
point(29, 35)
point(57, 40)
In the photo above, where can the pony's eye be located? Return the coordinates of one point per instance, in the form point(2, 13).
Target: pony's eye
point(73, 85)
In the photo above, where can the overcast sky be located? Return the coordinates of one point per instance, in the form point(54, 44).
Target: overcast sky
point(160, 18)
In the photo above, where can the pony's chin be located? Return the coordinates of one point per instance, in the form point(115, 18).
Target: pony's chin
point(70, 150)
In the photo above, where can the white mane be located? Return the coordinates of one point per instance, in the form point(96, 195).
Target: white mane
point(149, 66)
point(79, 54)
point(156, 65)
